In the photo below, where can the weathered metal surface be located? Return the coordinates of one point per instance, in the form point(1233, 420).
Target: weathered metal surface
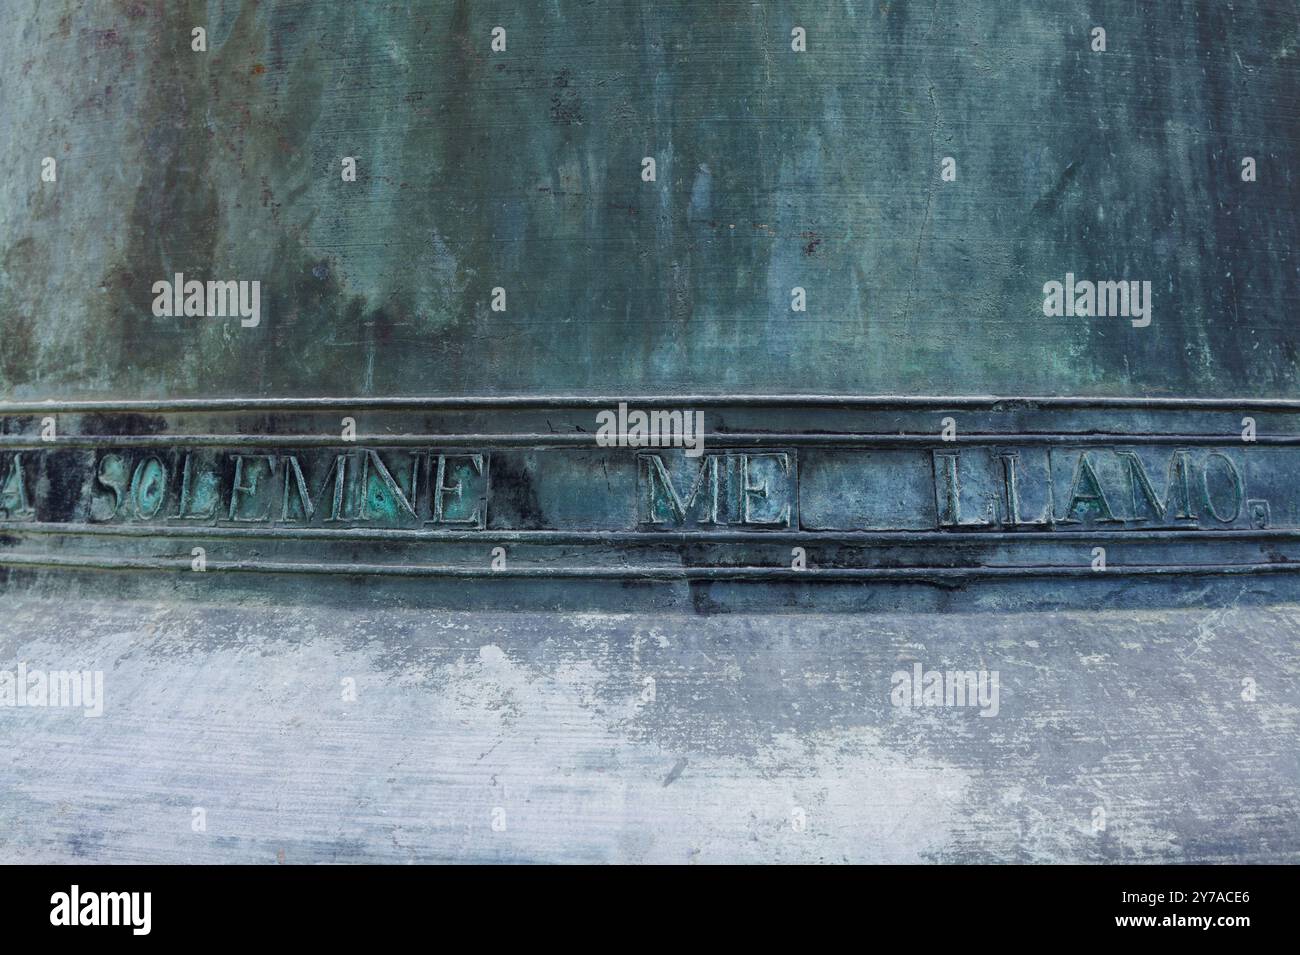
point(843, 250)
point(521, 169)
point(501, 237)
point(777, 490)
point(240, 711)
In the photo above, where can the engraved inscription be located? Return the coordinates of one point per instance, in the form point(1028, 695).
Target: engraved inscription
point(976, 487)
point(362, 486)
point(753, 489)
point(1101, 486)
point(14, 501)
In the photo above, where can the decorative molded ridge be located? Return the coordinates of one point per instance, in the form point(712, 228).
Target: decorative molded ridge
point(631, 572)
point(488, 402)
point(736, 439)
point(778, 488)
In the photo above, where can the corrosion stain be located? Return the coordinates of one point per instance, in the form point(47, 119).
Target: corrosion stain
point(566, 106)
point(105, 39)
point(258, 69)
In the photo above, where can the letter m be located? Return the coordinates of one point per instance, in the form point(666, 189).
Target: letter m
point(956, 693)
point(1112, 298)
point(1178, 491)
point(120, 907)
point(660, 501)
point(65, 688)
point(223, 299)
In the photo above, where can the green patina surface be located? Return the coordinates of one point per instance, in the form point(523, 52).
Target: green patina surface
point(521, 169)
